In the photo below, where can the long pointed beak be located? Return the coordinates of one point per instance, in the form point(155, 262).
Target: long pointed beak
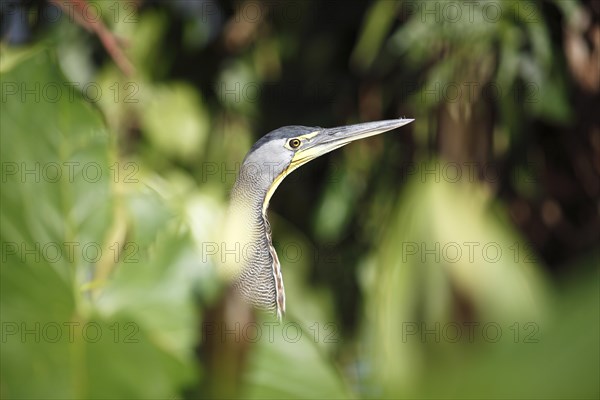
point(326, 140)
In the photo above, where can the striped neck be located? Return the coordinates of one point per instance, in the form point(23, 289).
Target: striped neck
point(255, 268)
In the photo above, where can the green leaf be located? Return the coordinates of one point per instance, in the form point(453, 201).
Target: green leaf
point(375, 26)
point(285, 363)
point(60, 215)
point(174, 119)
point(55, 205)
point(449, 259)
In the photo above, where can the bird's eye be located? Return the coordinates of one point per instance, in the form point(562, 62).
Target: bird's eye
point(294, 143)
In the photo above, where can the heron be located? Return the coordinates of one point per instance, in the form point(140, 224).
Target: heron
point(251, 262)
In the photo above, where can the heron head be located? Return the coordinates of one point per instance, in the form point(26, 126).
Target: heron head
point(283, 150)
point(257, 277)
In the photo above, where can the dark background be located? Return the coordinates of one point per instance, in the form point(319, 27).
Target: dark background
point(505, 149)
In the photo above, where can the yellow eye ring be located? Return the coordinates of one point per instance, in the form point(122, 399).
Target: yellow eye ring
point(294, 143)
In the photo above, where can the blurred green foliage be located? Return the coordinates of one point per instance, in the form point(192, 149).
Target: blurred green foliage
point(95, 320)
point(399, 283)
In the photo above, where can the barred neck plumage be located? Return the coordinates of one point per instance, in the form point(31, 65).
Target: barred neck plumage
point(258, 272)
